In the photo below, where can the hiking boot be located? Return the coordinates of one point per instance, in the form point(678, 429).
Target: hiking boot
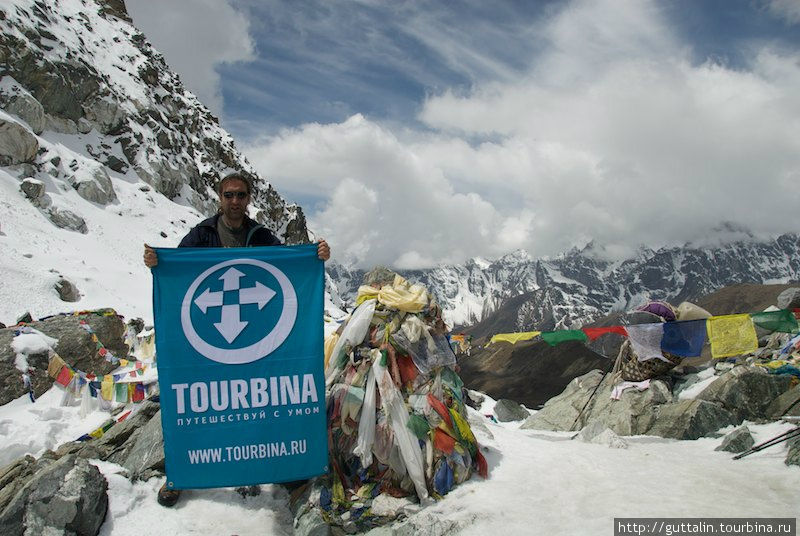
point(168, 497)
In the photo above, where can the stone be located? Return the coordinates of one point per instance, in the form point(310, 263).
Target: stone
point(26, 107)
point(17, 143)
point(96, 187)
point(507, 410)
point(147, 453)
point(68, 496)
point(747, 392)
point(66, 219)
point(32, 188)
point(786, 404)
point(74, 345)
point(789, 299)
point(737, 441)
point(106, 114)
point(690, 419)
point(793, 454)
point(599, 434)
point(67, 291)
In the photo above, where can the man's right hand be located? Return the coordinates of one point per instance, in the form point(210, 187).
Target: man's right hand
point(150, 257)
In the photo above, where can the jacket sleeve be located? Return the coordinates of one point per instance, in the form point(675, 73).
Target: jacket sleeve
point(192, 239)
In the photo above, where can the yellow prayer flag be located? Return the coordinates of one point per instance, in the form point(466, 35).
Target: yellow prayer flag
point(123, 362)
point(330, 344)
point(107, 387)
point(731, 335)
point(55, 365)
point(514, 338)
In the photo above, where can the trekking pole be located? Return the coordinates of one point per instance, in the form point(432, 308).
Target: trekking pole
point(769, 442)
point(613, 363)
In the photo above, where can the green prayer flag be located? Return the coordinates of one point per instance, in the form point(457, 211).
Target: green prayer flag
point(782, 320)
point(121, 392)
point(418, 425)
point(555, 337)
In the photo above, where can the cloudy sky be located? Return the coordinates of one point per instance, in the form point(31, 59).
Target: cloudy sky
point(414, 133)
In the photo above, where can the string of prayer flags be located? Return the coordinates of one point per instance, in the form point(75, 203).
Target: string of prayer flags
point(514, 338)
point(685, 339)
point(556, 337)
point(594, 333)
point(781, 320)
point(731, 335)
point(646, 340)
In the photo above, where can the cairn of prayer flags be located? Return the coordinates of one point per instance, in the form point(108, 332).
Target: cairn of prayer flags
point(728, 335)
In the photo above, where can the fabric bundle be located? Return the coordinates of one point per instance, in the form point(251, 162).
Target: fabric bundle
point(397, 421)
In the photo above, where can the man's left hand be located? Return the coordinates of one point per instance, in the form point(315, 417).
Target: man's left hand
point(323, 251)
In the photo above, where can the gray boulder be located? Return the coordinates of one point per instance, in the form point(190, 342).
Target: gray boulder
point(789, 299)
point(33, 189)
point(786, 404)
point(96, 188)
point(106, 114)
point(599, 434)
point(747, 392)
point(17, 143)
point(507, 410)
point(67, 291)
point(68, 496)
point(74, 345)
point(632, 414)
point(737, 441)
point(66, 219)
point(27, 108)
point(146, 456)
point(690, 419)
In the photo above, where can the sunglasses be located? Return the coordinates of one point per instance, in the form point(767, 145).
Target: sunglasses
point(238, 195)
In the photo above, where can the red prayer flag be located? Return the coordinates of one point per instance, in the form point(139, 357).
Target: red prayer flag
point(593, 333)
point(64, 376)
point(483, 465)
point(441, 409)
point(443, 442)
point(138, 393)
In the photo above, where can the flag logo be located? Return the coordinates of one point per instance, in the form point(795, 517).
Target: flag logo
point(231, 303)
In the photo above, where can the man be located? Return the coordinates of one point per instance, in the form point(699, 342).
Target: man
point(230, 227)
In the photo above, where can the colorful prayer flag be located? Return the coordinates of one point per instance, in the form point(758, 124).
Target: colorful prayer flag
point(685, 339)
point(556, 337)
point(514, 338)
point(121, 392)
point(64, 376)
point(594, 333)
point(646, 340)
point(731, 335)
point(782, 320)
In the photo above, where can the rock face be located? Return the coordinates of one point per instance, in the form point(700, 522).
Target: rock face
point(66, 496)
point(655, 411)
point(507, 410)
point(75, 345)
point(737, 441)
point(56, 82)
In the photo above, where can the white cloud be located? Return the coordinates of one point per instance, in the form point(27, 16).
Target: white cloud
point(613, 135)
point(195, 37)
point(788, 10)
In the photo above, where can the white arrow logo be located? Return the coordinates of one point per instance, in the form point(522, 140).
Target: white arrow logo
point(231, 324)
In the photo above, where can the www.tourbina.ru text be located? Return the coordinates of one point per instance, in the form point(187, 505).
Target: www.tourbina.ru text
point(240, 453)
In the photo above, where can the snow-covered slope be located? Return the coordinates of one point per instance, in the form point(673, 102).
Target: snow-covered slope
point(101, 150)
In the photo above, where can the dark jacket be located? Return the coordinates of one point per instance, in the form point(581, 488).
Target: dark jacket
point(205, 235)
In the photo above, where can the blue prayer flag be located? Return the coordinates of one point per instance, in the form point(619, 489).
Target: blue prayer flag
point(240, 364)
point(685, 339)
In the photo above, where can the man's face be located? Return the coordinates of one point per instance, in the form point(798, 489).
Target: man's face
point(234, 199)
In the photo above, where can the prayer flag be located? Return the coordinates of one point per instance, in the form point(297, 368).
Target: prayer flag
point(731, 335)
point(782, 320)
point(55, 366)
point(594, 333)
point(514, 338)
point(138, 393)
point(646, 340)
point(685, 339)
point(239, 335)
point(107, 387)
point(121, 392)
point(555, 337)
point(64, 376)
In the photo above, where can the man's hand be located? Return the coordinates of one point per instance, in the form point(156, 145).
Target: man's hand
point(323, 251)
point(150, 257)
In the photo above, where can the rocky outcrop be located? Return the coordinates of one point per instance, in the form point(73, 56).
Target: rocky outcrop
point(74, 345)
point(17, 143)
point(507, 410)
point(747, 392)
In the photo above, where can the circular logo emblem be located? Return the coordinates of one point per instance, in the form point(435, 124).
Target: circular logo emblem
point(229, 304)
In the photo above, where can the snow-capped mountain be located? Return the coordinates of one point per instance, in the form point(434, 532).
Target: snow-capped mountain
point(580, 286)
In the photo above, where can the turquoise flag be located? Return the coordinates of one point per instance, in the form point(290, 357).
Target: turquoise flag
point(239, 343)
